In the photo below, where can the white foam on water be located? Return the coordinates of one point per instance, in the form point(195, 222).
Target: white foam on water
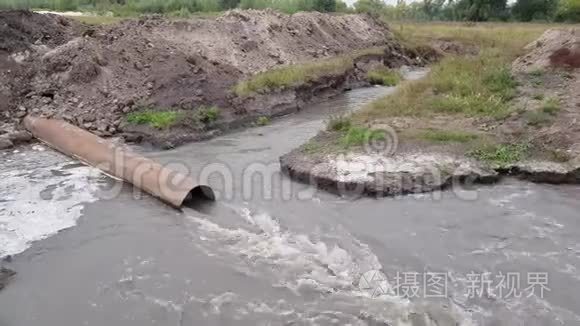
point(39, 202)
point(299, 259)
point(331, 264)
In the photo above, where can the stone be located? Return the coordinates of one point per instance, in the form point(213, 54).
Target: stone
point(19, 137)
point(5, 143)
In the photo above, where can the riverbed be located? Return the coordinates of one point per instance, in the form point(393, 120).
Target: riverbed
point(274, 252)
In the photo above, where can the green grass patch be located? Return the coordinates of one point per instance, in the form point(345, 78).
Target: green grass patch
point(155, 119)
point(502, 154)
point(357, 136)
point(474, 86)
point(384, 76)
point(471, 86)
point(298, 74)
point(263, 121)
point(293, 75)
point(208, 114)
point(447, 136)
point(551, 106)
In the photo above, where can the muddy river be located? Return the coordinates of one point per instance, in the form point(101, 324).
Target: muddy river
point(274, 252)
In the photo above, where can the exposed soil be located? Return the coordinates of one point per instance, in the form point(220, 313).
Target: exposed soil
point(94, 76)
point(545, 117)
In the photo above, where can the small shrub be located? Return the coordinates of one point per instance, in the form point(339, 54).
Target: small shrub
point(155, 119)
point(263, 121)
point(500, 81)
point(208, 114)
point(551, 106)
point(339, 123)
point(448, 136)
point(503, 154)
point(537, 118)
point(384, 76)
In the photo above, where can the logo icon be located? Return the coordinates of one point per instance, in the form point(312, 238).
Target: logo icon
point(375, 284)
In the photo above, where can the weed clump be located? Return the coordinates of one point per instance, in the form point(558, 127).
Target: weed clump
point(288, 76)
point(155, 119)
point(384, 76)
point(357, 136)
point(502, 154)
point(445, 136)
point(545, 114)
point(339, 123)
point(208, 114)
point(263, 121)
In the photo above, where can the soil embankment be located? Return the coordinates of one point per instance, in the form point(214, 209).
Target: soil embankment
point(537, 139)
point(94, 77)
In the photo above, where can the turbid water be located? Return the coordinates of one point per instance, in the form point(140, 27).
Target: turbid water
point(274, 252)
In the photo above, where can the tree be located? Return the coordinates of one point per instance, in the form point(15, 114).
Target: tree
point(432, 8)
point(341, 6)
point(482, 10)
point(527, 10)
point(228, 4)
point(325, 5)
point(569, 10)
point(373, 7)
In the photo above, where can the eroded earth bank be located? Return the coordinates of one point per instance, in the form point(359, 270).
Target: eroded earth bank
point(169, 82)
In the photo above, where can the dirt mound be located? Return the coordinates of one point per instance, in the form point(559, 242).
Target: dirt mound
point(20, 29)
point(256, 40)
point(95, 77)
point(555, 48)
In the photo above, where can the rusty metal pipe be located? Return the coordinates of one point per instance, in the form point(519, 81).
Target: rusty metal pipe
point(168, 185)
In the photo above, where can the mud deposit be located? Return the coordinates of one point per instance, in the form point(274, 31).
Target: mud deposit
point(94, 76)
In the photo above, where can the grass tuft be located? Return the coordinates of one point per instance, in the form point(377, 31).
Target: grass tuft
point(339, 123)
point(357, 136)
point(545, 114)
point(551, 106)
point(502, 154)
point(384, 76)
point(445, 136)
point(208, 114)
point(298, 74)
point(155, 119)
point(293, 75)
point(263, 121)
